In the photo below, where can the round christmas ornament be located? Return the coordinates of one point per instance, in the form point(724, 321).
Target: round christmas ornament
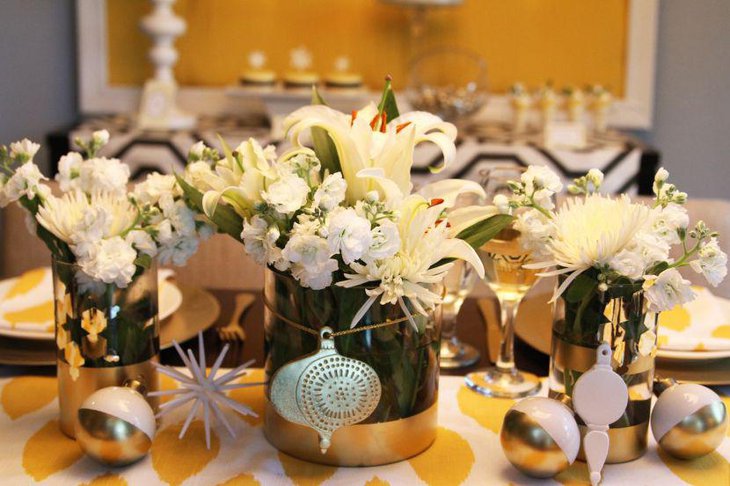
point(540, 437)
point(116, 425)
point(688, 420)
point(325, 390)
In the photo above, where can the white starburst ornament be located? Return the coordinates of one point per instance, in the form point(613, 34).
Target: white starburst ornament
point(207, 390)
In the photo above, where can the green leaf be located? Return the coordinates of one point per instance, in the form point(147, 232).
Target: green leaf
point(387, 102)
point(324, 147)
point(225, 218)
point(480, 233)
point(143, 260)
point(228, 152)
point(579, 288)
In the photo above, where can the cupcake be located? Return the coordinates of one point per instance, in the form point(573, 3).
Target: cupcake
point(342, 77)
point(301, 75)
point(257, 76)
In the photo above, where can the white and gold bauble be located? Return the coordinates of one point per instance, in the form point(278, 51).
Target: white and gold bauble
point(689, 421)
point(540, 437)
point(115, 426)
point(325, 390)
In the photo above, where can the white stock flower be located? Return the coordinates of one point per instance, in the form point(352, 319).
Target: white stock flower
point(311, 251)
point(711, 262)
point(110, 261)
point(103, 174)
point(668, 220)
point(24, 149)
point(542, 178)
point(142, 241)
point(25, 181)
point(68, 170)
point(502, 203)
point(331, 193)
point(385, 242)
point(287, 195)
point(667, 290)
point(628, 263)
point(100, 137)
point(535, 232)
point(196, 151)
point(310, 258)
point(154, 187)
point(260, 239)
point(348, 234)
point(595, 176)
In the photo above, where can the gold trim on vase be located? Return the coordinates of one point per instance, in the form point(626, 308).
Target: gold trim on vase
point(72, 393)
point(625, 443)
point(354, 445)
point(629, 435)
point(582, 358)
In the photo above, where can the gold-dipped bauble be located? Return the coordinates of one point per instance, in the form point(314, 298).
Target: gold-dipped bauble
point(540, 437)
point(689, 421)
point(116, 426)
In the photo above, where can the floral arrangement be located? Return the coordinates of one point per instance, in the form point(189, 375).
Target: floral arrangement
point(339, 208)
point(102, 239)
point(623, 241)
point(111, 233)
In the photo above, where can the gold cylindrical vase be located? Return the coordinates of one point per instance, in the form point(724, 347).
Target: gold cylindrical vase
point(106, 336)
point(619, 317)
point(404, 423)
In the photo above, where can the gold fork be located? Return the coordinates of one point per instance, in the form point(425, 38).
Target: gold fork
point(233, 331)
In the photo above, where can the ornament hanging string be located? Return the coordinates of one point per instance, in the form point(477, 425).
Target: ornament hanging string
point(334, 334)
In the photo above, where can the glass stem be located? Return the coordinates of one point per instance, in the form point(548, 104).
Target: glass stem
point(508, 312)
point(448, 326)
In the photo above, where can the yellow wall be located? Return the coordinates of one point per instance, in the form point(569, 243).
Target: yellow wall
point(566, 41)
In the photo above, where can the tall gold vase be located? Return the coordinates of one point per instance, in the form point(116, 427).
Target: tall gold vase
point(404, 421)
point(105, 336)
point(619, 317)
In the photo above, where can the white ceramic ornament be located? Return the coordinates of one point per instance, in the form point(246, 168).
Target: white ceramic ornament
point(689, 421)
point(116, 426)
point(600, 397)
point(540, 437)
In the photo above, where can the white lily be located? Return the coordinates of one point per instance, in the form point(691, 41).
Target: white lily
point(365, 140)
point(410, 274)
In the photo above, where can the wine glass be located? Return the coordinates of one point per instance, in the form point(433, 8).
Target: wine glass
point(458, 284)
point(504, 262)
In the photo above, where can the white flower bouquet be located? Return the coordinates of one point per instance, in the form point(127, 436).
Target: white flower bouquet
point(103, 240)
point(613, 259)
point(348, 243)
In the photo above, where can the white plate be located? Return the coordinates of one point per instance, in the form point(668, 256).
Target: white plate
point(170, 299)
point(674, 355)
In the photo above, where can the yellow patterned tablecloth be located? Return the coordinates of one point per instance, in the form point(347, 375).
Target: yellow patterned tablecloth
point(467, 450)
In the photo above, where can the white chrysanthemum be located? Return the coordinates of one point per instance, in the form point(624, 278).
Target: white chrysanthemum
point(667, 290)
point(287, 195)
point(348, 234)
point(104, 213)
point(712, 262)
point(590, 232)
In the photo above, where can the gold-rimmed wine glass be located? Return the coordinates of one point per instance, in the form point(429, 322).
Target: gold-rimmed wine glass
point(504, 261)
